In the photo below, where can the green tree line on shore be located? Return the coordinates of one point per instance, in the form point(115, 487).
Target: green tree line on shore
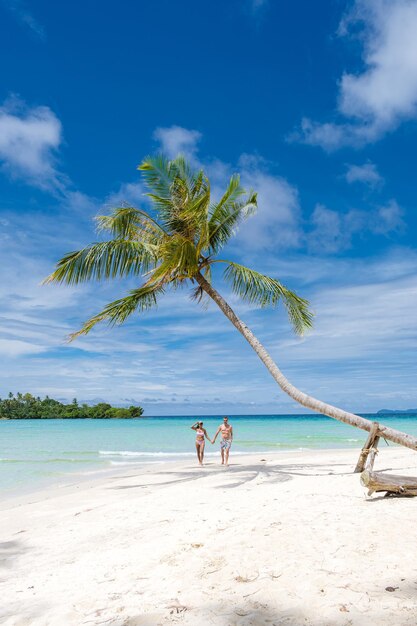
point(26, 406)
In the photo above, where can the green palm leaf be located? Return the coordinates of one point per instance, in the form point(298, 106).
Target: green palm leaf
point(233, 192)
point(179, 260)
point(180, 196)
point(184, 172)
point(174, 244)
point(160, 176)
point(117, 312)
point(264, 291)
point(157, 172)
point(130, 223)
point(104, 260)
point(228, 214)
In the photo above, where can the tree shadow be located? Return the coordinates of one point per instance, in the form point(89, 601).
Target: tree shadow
point(255, 615)
point(242, 474)
point(389, 496)
point(22, 613)
point(248, 614)
point(9, 551)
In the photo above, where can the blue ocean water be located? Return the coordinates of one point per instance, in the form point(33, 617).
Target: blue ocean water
point(36, 453)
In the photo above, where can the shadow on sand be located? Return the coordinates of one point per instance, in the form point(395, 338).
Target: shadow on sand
point(256, 614)
point(240, 474)
point(10, 550)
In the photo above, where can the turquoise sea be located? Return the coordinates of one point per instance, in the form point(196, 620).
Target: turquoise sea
point(37, 453)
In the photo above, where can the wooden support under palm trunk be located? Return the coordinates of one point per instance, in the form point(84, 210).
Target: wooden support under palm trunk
point(371, 442)
point(392, 484)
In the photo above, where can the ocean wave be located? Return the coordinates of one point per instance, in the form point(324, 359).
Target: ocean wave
point(131, 453)
point(45, 461)
point(132, 463)
point(170, 455)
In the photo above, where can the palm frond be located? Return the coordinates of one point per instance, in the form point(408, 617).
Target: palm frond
point(104, 260)
point(158, 175)
point(180, 196)
point(130, 223)
point(196, 216)
point(232, 194)
point(179, 260)
point(167, 189)
point(227, 219)
point(173, 244)
point(184, 172)
point(117, 312)
point(264, 291)
point(198, 180)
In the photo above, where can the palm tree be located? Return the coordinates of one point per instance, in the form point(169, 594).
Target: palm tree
point(177, 243)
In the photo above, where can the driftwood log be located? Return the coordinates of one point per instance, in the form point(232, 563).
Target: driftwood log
point(392, 484)
point(371, 442)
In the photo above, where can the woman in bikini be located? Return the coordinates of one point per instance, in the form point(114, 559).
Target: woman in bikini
point(201, 436)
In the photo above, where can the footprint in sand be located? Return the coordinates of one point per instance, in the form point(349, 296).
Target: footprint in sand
point(169, 560)
point(213, 566)
point(151, 619)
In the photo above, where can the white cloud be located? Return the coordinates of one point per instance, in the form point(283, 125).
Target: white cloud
point(388, 219)
point(364, 338)
point(387, 90)
point(333, 232)
point(366, 173)
point(276, 225)
point(328, 234)
point(79, 202)
point(362, 320)
point(16, 347)
point(328, 136)
point(29, 139)
point(176, 140)
point(258, 5)
point(22, 14)
point(129, 194)
point(384, 94)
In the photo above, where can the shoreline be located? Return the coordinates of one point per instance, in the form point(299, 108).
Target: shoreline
point(289, 540)
point(72, 481)
point(74, 478)
point(37, 454)
point(97, 476)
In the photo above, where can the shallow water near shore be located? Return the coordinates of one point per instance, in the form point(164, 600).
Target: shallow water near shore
point(37, 453)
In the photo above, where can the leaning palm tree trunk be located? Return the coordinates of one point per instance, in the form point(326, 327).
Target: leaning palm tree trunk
point(302, 398)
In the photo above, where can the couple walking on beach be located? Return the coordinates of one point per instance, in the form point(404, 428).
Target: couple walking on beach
point(226, 432)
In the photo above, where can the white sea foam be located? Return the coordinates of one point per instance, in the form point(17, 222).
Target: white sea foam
point(133, 463)
point(131, 453)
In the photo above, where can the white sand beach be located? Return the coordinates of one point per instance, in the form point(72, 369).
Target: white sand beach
point(291, 540)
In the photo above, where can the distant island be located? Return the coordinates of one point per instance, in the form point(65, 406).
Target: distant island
point(26, 406)
point(388, 411)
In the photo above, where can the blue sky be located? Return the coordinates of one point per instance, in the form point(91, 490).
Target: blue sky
point(314, 103)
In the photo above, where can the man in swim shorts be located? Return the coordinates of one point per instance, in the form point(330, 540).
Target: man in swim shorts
point(226, 431)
